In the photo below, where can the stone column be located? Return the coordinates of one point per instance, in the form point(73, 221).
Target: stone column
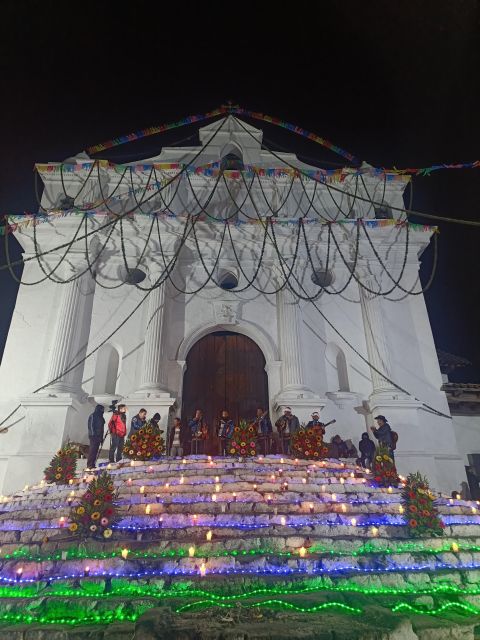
point(153, 376)
point(377, 348)
point(289, 326)
point(73, 324)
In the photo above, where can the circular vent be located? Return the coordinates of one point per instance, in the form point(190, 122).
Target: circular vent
point(228, 281)
point(133, 276)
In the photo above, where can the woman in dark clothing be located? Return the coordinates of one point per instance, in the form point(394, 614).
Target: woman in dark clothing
point(367, 450)
point(155, 420)
point(96, 423)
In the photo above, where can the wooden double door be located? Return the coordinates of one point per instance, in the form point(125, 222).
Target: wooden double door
point(225, 370)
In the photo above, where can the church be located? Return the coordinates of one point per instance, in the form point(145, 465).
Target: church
point(222, 276)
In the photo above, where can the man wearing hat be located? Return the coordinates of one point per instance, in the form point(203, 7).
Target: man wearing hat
point(287, 425)
point(315, 423)
point(383, 433)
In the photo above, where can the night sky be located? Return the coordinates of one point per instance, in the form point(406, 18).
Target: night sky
point(395, 83)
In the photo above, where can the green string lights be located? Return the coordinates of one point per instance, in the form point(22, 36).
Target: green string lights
point(274, 603)
point(74, 553)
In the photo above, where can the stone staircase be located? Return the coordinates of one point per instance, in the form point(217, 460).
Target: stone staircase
point(250, 542)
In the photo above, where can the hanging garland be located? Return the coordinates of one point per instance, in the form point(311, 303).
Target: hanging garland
point(384, 470)
point(244, 440)
point(421, 514)
point(62, 466)
point(308, 444)
point(145, 444)
point(97, 510)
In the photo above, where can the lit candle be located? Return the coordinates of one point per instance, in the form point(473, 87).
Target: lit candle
point(217, 478)
point(125, 553)
point(272, 477)
point(474, 510)
point(302, 552)
point(25, 487)
point(281, 461)
point(285, 486)
point(184, 461)
point(195, 518)
point(167, 485)
point(150, 469)
point(234, 496)
point(352, 475)
point(203, 569)
point(160, 522)
point(353, 522)
point(72, 493)
point(129, 481)
point(214, 497)
point(254, 487)
point(311, 507)
point(209, 536)
point(142, 489)
point(132, 463)
point(374, 531)
point(334, 497)
point(62, 522)
point(400, 509)
point(342, 480)
point(209, 458)
point(18, 574)
point(280, 472)
point(69, 500)
point(455, 547)
point(304, 480)
point(191, 551)
point(157, 497)
point(344, 508)
point(182, 479)
point(389, 490)
point(458, 496)
point(283, 521)
point(86, 571)
point(148, 509)
point(451, 500)
point(109, 466)
point(322, 488)
point(296, 460)
point(70, 481)
point(217, 488)
point(269, 499)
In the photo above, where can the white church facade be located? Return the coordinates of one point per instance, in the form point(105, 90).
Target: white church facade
point(311, 351)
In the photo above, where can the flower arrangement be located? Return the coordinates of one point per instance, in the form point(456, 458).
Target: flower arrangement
point(308, 443)
point(145, 444)
point(97, 510)
point(420, 513)
point(63, 465)
point(384, 470)
point(244, 440)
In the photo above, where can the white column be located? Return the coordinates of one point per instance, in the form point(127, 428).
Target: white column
point(377, 348)
point(153, 376)
point(289, 324)
point(74, 314)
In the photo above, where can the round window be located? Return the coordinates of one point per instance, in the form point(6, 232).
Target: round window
point(229, 281)
point(132, 276)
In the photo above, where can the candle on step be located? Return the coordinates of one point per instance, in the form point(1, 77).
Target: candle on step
point(217, 478)
point(234, 495)
point(132, 463)
point(214, 497)
point(209, 536)
point(281, 461)
point(157, 497)
point(283, 521)
point(86, 571)
point(184, 461)
point(182, 479)
point(389, 490)
point(62, 522)
point(455, 547)
point(344, 508)
point(148, 509)
point(304, 480)
point(311, 507)
point(191, 551)
point(334, 497)
point(19, 573)
point(254, 487)
point(209, 458)
point(129, 482)
point(167, 485)
point(217, 488)
point(195, 518)
point(342, 480)
point(400, 509)
point(125, 553)
point(203, 569)
point(302, 552)
point(70, 481)
point(353, 522)
point(150, 469)
point(160, 522)
point(374, 531)
point(142, 489)
point(269, 499)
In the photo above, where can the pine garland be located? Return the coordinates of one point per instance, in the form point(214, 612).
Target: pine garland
point(308, 444)
point(420, 512)
point(62, 466)
point(145, 444)
point(384, 470)
point(97, 510)
point(244, 440)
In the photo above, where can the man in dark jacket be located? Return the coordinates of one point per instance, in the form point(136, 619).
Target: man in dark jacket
point(383, 433)
point(138, 421)
point(96, 422)
point(367, 450)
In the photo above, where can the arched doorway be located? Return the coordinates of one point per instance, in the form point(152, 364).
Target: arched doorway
point(224, 370)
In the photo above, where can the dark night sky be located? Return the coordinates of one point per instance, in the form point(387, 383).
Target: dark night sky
point(396, 83)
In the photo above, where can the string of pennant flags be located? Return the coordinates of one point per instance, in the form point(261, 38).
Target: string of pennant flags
point(19, 222)
point(237, 110)
point(214, 169)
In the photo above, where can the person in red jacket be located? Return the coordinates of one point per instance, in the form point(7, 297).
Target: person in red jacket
point(117, 426)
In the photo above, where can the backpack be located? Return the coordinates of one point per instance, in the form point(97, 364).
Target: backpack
point(394, 440)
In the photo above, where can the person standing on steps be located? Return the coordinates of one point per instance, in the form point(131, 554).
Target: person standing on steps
point(367, 451)
point(138, 421)
point(96, 423)
point(117, 426)
point(224, 432)
point(384, 434)
point(175, 444)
